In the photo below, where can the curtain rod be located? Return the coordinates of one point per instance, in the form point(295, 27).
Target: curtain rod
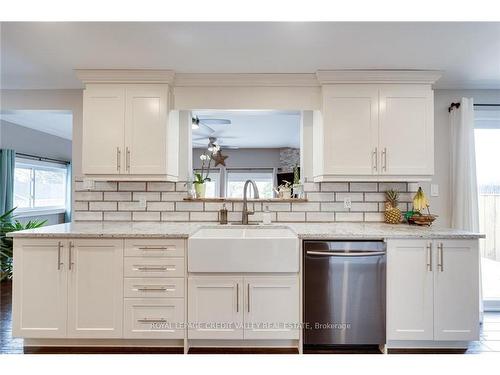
point(457, 105)
point(41, 158)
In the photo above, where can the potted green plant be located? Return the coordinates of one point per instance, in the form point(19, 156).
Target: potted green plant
point(201, 177)
point(8, 223)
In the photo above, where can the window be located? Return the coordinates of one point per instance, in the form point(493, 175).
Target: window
point(39, 185)
point(236, 181)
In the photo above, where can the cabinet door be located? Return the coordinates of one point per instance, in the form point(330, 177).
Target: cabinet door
point(95, 288)
point(406, 130)
point(103, 129)
point(456, 290)
point(271, 308)
point(146, 129)
point(40, 288)
point(215, 307)
point(409, 290)
point(350, 133)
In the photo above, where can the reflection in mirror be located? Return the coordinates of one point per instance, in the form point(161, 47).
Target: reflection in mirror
point(232, 146)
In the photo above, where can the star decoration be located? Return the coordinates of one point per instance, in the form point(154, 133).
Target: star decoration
point(219, 159)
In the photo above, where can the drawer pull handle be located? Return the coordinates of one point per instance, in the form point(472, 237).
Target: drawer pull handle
point(148, 320)
point(153, 248)
point(155, 289)
point(150, 268)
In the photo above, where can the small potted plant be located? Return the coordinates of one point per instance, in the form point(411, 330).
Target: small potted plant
point(284, 190)
point(201, 177)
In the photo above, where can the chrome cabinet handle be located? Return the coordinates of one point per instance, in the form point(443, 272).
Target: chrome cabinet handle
point(148, 320)
point(146, 248)
point(128, 158)
point(440, 257)
point(248, 297)
point(384, 156)
point(118, 159)
point(429, 257)
point(154, 289)
point(70, 262)
point(238, 297)
point(375, 157)
point(151, 268)
point(59, 247)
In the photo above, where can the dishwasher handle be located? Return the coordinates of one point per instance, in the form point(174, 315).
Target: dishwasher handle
point(342, 254)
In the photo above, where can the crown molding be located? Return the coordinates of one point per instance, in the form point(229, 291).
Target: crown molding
point(125, 76)
point(378, 76)
point(246, 79)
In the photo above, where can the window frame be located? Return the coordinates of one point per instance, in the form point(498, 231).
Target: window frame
point(40, 165)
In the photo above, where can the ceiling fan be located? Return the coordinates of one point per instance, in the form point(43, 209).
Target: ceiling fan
point(203, 132)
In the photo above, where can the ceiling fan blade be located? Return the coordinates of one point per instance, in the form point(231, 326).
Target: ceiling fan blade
point(215, 121)
point(206, 129)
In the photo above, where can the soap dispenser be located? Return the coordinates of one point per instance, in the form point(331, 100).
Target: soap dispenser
point(223, 214)
point(266, 216)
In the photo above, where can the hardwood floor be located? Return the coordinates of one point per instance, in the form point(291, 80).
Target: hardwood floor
point(489, 340)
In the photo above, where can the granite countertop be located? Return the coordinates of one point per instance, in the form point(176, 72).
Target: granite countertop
point(185, 229)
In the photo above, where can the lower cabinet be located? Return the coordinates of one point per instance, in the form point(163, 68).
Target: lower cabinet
point(232, 307)
point(433, 290)
point(68, 288)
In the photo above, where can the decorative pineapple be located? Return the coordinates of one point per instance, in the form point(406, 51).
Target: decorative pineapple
point(392, 213)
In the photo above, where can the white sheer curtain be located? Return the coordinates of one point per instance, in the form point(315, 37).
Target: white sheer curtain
point(464, 199)
point(464, 194)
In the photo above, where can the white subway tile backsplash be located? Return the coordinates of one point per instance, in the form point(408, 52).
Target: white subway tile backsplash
point(132, 186)
point(189, 206)
point(146, 216)
point(130, 206)
point(175, 216)
point(204, 216)
point(120, 201)
point(117, 196)
point(102, 206)
point(306, 206)
point(334, 186)
point(320, 197)
point(117, 216)
point(160, 206)
point(320, 216)
point(161, 186)
point(87, 216)
point(88, 196)
point(291, 216)
point(363, 186)
point(355, 197)
point(348, 216)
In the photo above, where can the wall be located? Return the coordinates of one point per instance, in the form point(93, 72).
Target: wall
point(245, 158)
point(30, 141)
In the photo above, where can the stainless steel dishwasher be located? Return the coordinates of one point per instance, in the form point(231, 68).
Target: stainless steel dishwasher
point(344, 292)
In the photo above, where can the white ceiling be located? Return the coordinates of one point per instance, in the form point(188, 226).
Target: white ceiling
point(43, 55)
point(58, 123)
point(251, 129)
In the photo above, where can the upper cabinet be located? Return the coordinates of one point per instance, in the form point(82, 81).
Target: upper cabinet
point(370, 128)
point(129, 128)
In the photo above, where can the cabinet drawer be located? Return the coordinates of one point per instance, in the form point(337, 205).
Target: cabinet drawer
point(154, 318)
point(154, 248)
point(157, 287)
point(153, 267)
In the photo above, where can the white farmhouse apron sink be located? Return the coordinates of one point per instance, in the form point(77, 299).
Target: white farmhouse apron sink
point(243, 249)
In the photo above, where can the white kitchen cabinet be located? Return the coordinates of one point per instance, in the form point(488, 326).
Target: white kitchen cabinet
point(406, 131)
point(215, 307)
point(410, 288)
point(40, 288)
point(456, 290)
point(374, 132)
point(272, 307)
point(128, 131)
point(95, 294)
point(103, 130)
point(433, 290)
point(350, 134)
